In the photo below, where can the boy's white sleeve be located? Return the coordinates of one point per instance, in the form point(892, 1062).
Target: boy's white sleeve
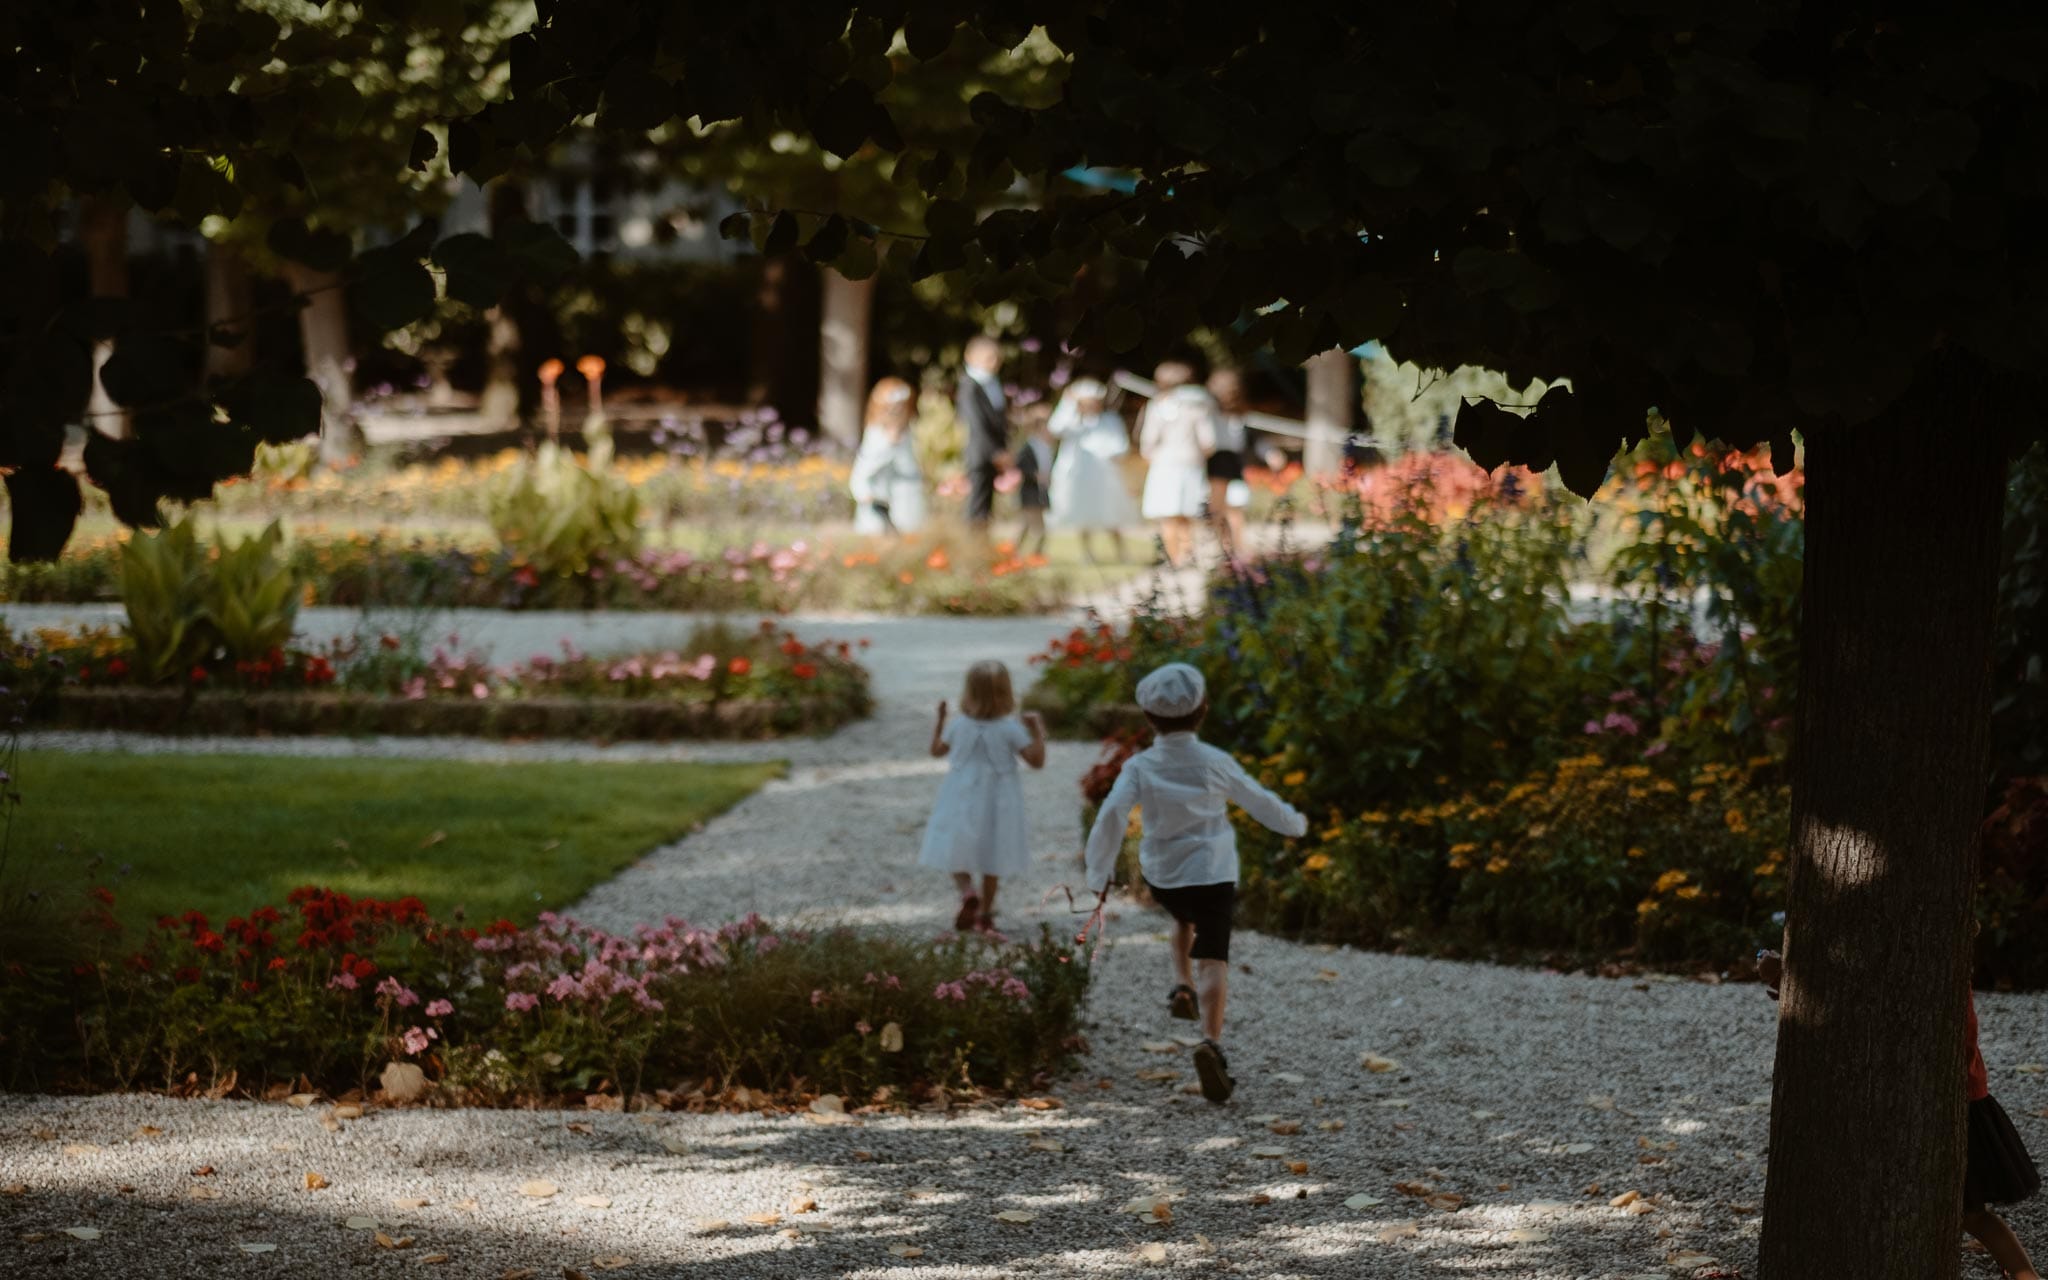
point(1106, 838)
point(1267, 809)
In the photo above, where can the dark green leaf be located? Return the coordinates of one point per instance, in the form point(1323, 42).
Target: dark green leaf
point(147, 369)
point(391, 289)
point(1487, 432)
point(424, 148)
point(929, 32)
point(840, 120)
point(782, 233)
point(478, 269)
point(46, 504)
point(736, 226)
point(949, 218)
point(277, 407)
point(828, 241)
point(539, 251)
point(858, 261)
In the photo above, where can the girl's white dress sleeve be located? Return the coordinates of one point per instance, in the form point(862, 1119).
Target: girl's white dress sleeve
point(978, 823)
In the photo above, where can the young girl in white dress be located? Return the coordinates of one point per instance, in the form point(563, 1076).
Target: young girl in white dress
point(887, 483)
point(1178, 435)
point(1087, 484)
point(977, 826)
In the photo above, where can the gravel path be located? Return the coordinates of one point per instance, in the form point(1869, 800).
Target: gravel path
point(1536, 1097)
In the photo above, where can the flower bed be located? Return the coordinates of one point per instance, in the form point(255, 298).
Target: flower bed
point(324, 992)
point(721, 683)
point(915, 576)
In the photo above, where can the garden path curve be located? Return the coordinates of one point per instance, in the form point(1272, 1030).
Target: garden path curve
point(1536, 1097)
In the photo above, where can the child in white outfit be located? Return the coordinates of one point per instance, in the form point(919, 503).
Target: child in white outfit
point(1184, 788)
point(977, 826)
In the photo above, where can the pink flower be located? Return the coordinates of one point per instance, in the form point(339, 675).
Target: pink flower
point(398, 992)
point(817, 996)
point(765, 943)
point(564, 987)
point(520, 1001)
point(862, 1026)
point(345, 980)
point(1656, 749)
point(417, 1040)
point(955, 991)
point(440, 1009)
point(480, 690)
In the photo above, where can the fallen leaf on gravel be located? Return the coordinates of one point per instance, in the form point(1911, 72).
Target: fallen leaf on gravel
point(410, 1202)
point(81, 1149)
point(709, 1225)
point(1378, 1065)
point(386, 1242)
point(764, 1219)
point(1331, 1126)
point(517, 1273)
point(1326, 975)
point(254, 1246)
point(803, 1204)
point(828, 1104)
point(891, 1038)
point(674, 1145)
point(82, 1233)
point(1362, 1201)
point(1444, 1201)
point(921, 1191)
point(1267, 1153)
point(1688, 1260)
point(1483, 1114)
point(316, 1181)
point(1016, 1215)
point(580, 1126)
point(203, 1171)
point(1159, 1046)
point(1047, 1144)
point(571, 1273)
point(538, 1189)
point(1641, 1207)
point(1040, 1104)
point(33, 1237)
point(594, 1202)
point(1399, 1231)
point(1297, 1166)
point(43, 1135)
point(434, 1259)
point(612, 1262)
point(1625, 1199)
point(1265, 1119)
point(301, 1100)
point(14, 1189)
point(1260, 1197)
point(1145, 1206)
point(1416, 1189)
point(1526, 1235)
point(906, 1251)
point(1158, 1073)
point(1285, 1128)
point(2030, 1068)
point(361, 1222)
point(202, 1192)
point(147, 1131)
point(1153, 1253)
point(347, 1111)
point(1290, 1077)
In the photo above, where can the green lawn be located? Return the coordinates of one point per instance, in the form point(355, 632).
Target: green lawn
point(224, 834)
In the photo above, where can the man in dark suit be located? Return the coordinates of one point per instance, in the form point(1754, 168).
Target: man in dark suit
point(980, 405)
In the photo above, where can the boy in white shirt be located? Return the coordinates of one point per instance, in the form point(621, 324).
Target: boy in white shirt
point(1184, 788)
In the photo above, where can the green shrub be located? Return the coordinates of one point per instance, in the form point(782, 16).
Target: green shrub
point(562, 515)
point(165, 589)
point(252, 596)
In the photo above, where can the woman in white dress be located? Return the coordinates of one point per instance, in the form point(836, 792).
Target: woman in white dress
point(978, 825)
point(1228, 494)
point(1087, 484)
point(887, 483)
point(1177, 437)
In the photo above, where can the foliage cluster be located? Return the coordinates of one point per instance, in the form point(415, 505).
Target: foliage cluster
point(327, 989)
point(189, 604)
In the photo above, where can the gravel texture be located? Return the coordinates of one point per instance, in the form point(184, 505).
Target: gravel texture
point(1536, 1097)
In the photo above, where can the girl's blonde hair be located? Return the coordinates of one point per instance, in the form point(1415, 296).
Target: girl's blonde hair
point(987, 695)
point(892, 403)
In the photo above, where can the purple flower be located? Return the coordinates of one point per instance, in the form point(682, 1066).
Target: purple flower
point(345, 980)
point(399, 993)
point(520, 1001)
point(440, 1009)
point(564, 987)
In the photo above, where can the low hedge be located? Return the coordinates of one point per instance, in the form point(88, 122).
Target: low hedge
point(326, 992)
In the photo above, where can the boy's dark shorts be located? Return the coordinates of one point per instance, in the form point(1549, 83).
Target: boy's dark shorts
point(1208, 908)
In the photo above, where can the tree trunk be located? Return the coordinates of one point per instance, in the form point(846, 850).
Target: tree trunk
point(323, 331)
point(1331, 408)
point(848, 308)
point(498, 406)
point(783, 373)
point(1866, 1154)
point(229, 300)
point(103, 235)
point(517, 324)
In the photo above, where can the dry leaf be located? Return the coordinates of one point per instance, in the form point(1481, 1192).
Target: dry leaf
point(433, 1259)
point(611, 1262)
point(1153, 1253)
point(257, 1247)
point(1642, 1207)
point(1416, 1189)
point(594, 1202)
point(82, 1233)
point(1047, 1144)
point(1326, 975)
point(1159, 1046)
point(1331, 1126)
point(906, 1251)
point(147, 1131)
point(673, 1145)
point(203, 1171)
point(14, 1189)
point(413, 1202)
point(386, 1242)
point(1285, 1128)
point(1016, 1215)
point(1483, 1114)
point(580, 1126)
point(1158, 1073)
point(202, 1192)
point(1689, 1260)
point(302, 1100)
point(81, 1149)
point(1362, 1201)
point(1162, 1213)
point(571, 1273)
point(1297, 1166)
point(361, 1222)
point(347, 1111)
point(891, 1037)
point(1399, 1231)
point(330, 1124)
point(709, 1225)
point(1040, 1104)
point(2030, 1068)
point(1378, 1065)
point(828, 1104)
point(1625, 1199)
point(1260, 1197)
point(1145, 1206)
point(517, 1273)
point(316, 1181)
point(922, 1191)
point(1526, 1235)
point(1267, 1153)
point(803, 1204)
point(1444, 1201)
point(538, 1189)
point(764, 1219)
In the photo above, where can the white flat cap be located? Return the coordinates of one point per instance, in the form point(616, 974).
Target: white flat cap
point(1173, 690)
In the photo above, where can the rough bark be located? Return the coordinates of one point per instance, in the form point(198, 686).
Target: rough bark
point(323, 332)
point(848, 309)
point(103, 236)
point(1866, 1152)
point(229, 299)
point(516, 325)
point(1332, 406)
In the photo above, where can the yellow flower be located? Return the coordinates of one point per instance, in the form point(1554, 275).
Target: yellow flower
point(1665, 787)
point(1689, 892)
point(1458, 862)
point(1635, 772)
point(1295, 778)
point(1696, 797)
point(1459, 850)
point(1670, 880)
point(1373, 817)
point(1647, 906)
point(1635, 851)
point(1736, 822)
point(1316, 862)
point(1496, 864)
point(1765, 869)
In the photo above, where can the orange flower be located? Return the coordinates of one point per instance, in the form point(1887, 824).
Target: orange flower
point(591, 366)
point(549, 371)
point(937, 560)
point(739, 666)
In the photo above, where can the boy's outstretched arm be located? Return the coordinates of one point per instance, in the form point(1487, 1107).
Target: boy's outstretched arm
point(1266, 809)
point(1106, 838)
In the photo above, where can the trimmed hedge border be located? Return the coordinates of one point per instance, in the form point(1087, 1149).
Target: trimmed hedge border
point(176, 711)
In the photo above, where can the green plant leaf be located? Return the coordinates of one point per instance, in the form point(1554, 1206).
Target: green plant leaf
point(478, 269)
point(45, 503)
point(277, 407)
point(391, 289)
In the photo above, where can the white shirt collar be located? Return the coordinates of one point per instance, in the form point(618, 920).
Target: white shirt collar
point(988, 382)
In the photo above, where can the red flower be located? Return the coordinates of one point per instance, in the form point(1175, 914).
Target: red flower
point(116, 668)
point(82, 970)
point(166, 922)
point(525, 576)
point(194, 920)
point(364, 970)
point(208, 940)
point(277, 963)
point(140, 962)
point(501, 928)
point(792, 646)
point(188, 974)
point(265, 915)
point(739, 666)
point(84, 674)
point(388, 641)
point(249, 984)
point(803, 671)
point(198, 675)
point(102, 894)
